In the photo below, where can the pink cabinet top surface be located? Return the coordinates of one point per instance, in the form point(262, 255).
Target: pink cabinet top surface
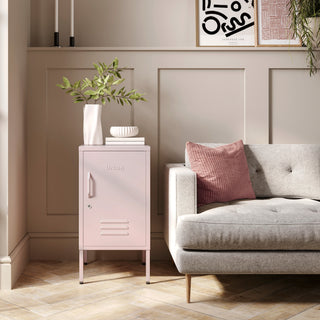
point(115, 148)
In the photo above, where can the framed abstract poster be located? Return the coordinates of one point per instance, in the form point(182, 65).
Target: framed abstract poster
point(225, 23)
point(273, 24)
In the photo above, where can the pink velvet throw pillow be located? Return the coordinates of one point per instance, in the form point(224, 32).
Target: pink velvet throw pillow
point(222, 172)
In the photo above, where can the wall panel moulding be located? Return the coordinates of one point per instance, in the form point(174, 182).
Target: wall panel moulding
point(195, 94)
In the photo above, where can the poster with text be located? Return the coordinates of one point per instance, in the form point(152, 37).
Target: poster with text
point(226, 23)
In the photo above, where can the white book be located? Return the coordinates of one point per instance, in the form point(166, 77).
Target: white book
point(127, 139)
point(109, 143)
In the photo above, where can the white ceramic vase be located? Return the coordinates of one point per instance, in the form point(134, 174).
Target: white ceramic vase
point(92, 129)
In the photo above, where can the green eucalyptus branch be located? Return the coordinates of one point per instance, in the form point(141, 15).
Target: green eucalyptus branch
point(102, 87)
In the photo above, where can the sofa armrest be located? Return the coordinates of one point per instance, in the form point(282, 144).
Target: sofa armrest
point(181, 189)
point(180, 198)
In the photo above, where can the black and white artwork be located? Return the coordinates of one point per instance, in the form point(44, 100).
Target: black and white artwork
point(226, 23)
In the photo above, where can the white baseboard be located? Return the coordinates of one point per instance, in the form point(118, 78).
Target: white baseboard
point(64, 246)
point(12, 266)
point(5, 273)
point(19, 259)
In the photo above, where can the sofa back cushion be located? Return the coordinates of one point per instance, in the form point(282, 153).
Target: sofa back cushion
point(282, 170)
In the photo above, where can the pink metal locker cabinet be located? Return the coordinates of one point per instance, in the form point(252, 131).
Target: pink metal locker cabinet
point(114, 200)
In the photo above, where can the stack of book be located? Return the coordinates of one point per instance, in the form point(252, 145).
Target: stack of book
point(131, 140)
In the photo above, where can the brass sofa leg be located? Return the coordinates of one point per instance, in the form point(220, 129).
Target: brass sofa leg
point(188, 287)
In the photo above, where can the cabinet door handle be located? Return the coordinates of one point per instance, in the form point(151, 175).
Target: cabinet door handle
point(89, 184)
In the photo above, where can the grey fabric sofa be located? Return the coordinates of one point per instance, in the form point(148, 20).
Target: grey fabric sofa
point(277, 233)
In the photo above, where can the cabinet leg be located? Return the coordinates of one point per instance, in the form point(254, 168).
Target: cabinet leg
point(143, 260)
point(147, 266)
point(85, 257)
point(81, 266)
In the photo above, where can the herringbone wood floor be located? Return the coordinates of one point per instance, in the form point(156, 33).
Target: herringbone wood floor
point(117, 291)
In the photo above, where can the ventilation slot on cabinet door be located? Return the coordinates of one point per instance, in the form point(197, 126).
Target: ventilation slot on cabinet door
point(114, 227)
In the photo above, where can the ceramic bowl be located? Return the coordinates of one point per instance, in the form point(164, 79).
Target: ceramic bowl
point(124, 132)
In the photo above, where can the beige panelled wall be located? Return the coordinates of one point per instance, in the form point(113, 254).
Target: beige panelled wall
point(193, 98)
point(260, 95)
point(14, 35)
point(115, 23)
point(19, 40)
point(18, 43)
point(291, 88)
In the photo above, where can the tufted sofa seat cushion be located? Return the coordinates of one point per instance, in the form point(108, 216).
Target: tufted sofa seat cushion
point(263, 224)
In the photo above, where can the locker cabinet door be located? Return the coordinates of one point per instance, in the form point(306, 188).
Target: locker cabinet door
point(114, 199)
